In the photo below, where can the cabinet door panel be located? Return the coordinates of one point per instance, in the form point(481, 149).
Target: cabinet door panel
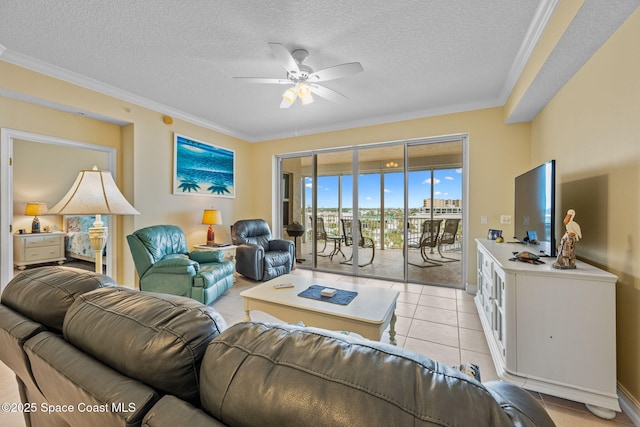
point(558, 330)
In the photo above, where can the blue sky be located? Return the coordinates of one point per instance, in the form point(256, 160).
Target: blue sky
point(447, 185)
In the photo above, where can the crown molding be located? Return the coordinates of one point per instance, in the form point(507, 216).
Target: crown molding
point(537, 27)
point(88, 83)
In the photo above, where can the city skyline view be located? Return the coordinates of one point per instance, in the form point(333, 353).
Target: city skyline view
point(447, 184)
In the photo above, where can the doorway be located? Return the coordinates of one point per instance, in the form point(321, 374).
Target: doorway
point(11, 137)
point(364, 209)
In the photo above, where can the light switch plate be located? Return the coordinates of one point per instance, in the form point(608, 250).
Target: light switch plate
point(505, 219)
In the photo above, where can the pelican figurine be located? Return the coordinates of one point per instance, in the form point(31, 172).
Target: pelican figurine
point(572, 226)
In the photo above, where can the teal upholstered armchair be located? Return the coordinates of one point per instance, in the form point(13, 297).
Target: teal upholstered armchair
point(165, 265)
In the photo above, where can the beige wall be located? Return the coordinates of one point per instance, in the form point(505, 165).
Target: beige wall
point(44, 173)
point(592, 128)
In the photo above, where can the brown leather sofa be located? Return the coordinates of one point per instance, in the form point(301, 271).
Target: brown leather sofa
point(87, 352)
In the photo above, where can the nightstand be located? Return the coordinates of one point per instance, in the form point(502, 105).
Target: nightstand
point(38, 248)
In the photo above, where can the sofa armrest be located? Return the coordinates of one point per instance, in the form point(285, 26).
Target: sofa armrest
point(15, 330)
point(171, 411)
point(281, 245)
point(204, 257)
point(175, 265)
point(68, 376)
point(250, 260)
point(249, 251)
point(519, 404)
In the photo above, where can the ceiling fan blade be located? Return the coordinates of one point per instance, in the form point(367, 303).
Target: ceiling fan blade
point(329, 94)
point(264, 80)
point(336, 72)
point(284, 56)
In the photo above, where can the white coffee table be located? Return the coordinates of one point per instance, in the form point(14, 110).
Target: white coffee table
point(369, 314)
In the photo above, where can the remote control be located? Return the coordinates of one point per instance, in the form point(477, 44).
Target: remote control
point(283, 285)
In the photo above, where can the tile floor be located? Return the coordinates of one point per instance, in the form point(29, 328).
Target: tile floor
point(441, 323)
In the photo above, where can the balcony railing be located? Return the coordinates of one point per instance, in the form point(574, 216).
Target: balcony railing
point(371, 226)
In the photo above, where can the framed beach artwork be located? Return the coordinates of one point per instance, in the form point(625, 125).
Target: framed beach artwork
point(202, 169)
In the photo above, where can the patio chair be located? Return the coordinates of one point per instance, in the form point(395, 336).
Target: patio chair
point(363, 242)
point(321, 233)
point(427, 241)
point(448, 237)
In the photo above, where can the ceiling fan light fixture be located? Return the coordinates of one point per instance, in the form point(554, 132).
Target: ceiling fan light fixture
point(290, 95)
point(303, 90)
point(303, 78)
point(307, 99)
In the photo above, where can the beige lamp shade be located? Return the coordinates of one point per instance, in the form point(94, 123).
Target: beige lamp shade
point(35, 209)
point(93, 193)
point(211, 216)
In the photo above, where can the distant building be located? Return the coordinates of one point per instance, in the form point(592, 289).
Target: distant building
point(442, 203)
point(442, 207)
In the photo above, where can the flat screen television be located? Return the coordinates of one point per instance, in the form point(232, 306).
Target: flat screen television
point(535, 212)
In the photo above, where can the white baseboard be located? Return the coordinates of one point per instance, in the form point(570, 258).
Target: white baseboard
point(629, 405)
point(471, 289)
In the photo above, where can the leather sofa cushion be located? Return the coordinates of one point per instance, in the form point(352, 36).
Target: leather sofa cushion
point(276, 259)
point(45, 294)
point(99, 395)
point(274, 375)
point(158, 339)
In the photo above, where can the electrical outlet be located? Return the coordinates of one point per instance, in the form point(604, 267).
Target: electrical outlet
point(483, 219)
point(505, 219)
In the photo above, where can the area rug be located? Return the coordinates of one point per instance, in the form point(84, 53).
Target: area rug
point(341, 297)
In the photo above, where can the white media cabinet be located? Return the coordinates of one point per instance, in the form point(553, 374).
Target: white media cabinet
point(551, 331)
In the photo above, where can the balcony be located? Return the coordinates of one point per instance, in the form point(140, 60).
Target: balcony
point(440, 264)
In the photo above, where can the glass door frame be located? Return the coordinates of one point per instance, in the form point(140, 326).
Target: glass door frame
point(461, 137)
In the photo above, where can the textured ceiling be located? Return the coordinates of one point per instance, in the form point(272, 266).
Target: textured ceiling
point(420, 58)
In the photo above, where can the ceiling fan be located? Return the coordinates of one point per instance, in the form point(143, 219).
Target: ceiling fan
point(303, 78)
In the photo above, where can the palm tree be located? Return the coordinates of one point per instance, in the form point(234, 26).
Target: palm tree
point(218, 189)
point(188, 186)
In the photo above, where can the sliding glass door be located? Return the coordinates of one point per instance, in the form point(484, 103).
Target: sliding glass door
point(401, 219)
point(434, 216)
point(379, 224)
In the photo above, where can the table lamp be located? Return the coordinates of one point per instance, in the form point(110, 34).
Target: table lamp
point(94, 193)
point(211, 217)
point(34, 209)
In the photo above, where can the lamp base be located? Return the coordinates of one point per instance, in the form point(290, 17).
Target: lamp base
point(211, 236)
point(35, 225)
point(98, 239)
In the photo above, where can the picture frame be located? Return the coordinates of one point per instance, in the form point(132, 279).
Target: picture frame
point(494, 234)
point(202, 169)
